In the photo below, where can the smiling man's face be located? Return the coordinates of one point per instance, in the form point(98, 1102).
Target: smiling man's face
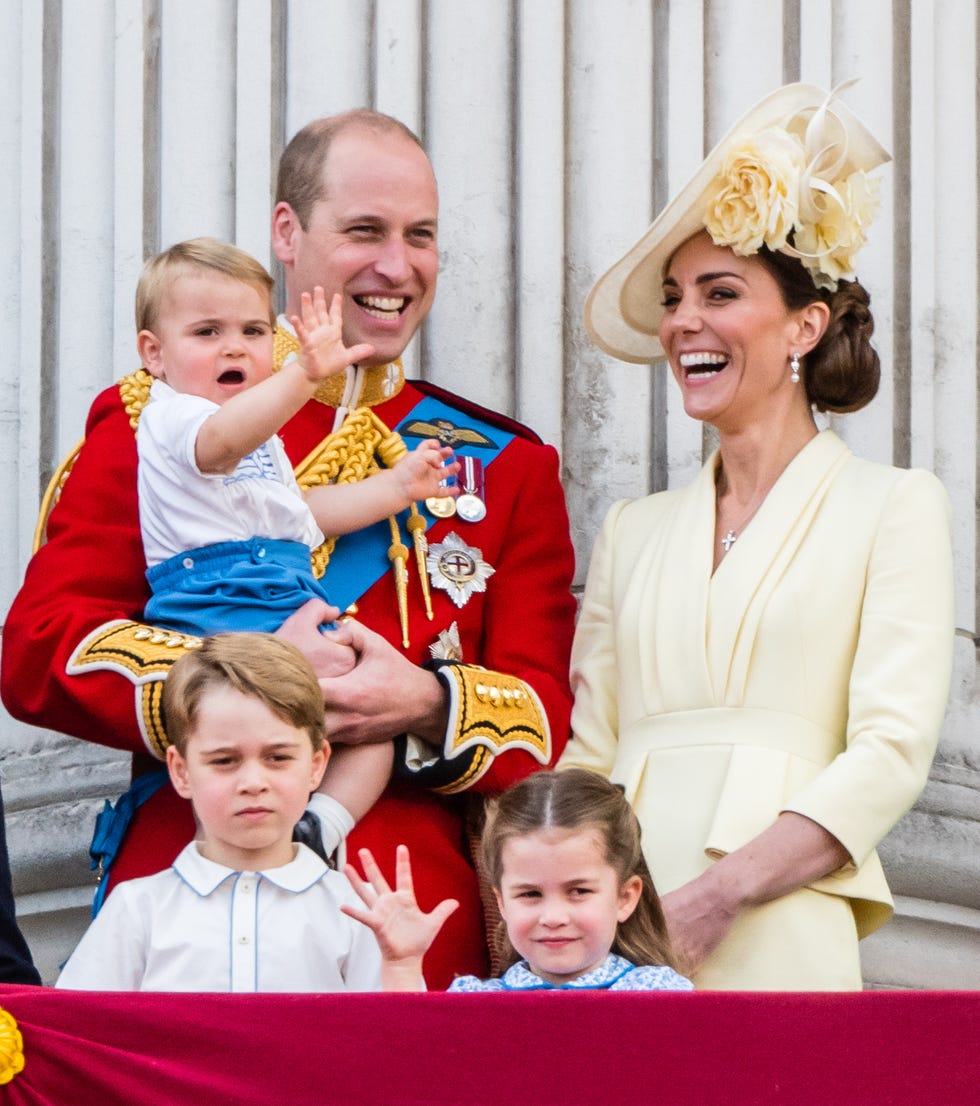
point(372, 237)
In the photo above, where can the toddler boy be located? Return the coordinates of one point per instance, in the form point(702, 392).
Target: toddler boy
point(227, 533)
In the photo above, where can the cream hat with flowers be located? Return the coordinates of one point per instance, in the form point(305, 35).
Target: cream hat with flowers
point(791, 175)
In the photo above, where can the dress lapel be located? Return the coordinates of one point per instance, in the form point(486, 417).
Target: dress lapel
point(669, 588)
point(748, 574)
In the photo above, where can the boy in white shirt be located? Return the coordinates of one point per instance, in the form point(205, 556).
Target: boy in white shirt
point(226, 530)
point(244, 908)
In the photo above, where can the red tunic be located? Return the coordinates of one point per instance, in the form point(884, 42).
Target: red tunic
point(91, 571)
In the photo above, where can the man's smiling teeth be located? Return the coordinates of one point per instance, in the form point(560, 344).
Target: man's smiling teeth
point(382, 307)
point(702, 364)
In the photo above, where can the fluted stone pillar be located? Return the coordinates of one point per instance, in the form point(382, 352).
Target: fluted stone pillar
point(558, 128)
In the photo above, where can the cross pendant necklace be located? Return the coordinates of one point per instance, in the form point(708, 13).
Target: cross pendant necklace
point(731, 537)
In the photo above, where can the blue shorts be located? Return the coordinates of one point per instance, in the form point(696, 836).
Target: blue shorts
point(234, 585)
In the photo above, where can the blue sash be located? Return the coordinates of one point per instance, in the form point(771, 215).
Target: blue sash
point(360, 559)
point(111, 824)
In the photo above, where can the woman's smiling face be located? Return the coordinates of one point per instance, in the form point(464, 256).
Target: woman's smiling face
point(728, 335)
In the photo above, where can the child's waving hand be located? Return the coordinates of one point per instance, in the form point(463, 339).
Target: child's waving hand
point(403, 931)
point(320, 332)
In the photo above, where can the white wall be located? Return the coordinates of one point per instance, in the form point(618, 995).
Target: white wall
point(557, 129)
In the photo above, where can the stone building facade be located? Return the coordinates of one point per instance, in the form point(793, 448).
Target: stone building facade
point(557, 129)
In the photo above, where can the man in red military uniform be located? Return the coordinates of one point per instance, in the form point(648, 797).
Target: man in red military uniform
point(357, 213)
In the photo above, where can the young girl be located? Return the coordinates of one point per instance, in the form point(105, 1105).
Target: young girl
point(579, 910)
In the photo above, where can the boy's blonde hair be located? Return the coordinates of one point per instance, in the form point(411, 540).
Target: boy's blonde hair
point(195, 255)
point(259, 665)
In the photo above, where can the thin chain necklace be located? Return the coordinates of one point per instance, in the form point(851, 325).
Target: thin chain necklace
point(732, 535)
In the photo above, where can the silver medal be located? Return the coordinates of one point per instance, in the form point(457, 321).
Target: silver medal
point(471, 508)
point(471, 505)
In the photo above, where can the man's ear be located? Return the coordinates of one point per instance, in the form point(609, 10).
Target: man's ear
point(177, 767)
point(149, 348)
point(285, 226)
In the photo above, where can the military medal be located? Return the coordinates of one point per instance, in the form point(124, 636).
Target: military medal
point(447, 645)
point(457, 568)
point(442, 506)
point(471, 505)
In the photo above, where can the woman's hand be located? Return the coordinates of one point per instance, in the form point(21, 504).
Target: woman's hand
point(793, 852)
point(403, 931)
point(697, 921)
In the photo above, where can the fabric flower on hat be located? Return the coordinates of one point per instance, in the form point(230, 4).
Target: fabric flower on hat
point(757, 198)
point(829, 245)
point(794, 188)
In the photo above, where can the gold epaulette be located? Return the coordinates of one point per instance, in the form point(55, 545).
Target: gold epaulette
point(144, 655)
point(52, 493)
point(379, 383)
point(134, 391)
point(488, 713)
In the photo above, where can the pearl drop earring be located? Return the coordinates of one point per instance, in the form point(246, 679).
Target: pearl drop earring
point(794, 367)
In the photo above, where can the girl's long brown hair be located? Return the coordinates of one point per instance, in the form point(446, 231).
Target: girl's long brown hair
point(576, 799)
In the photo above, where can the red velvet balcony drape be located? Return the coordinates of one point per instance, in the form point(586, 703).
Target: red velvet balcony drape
point(89, 1049)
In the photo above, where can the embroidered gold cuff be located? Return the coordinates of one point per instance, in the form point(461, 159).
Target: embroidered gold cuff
point(490, 712)
point(139, 652)
point(149, 698)
point(475, 766)
point(144, 655)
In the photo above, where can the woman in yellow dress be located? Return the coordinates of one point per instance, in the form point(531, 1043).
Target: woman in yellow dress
point(763, 657)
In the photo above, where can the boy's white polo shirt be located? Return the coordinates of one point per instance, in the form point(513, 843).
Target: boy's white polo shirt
point(200, 926)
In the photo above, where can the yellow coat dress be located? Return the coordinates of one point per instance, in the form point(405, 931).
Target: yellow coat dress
point(809, 673)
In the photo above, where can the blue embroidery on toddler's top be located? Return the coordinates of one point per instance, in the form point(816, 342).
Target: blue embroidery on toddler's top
point(257, 465)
